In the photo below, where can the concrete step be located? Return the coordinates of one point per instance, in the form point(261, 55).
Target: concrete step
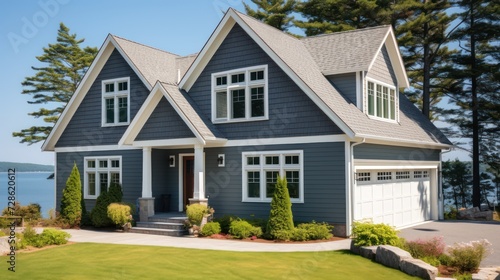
point(174, 220)
point(163, 225)
point(158, 231)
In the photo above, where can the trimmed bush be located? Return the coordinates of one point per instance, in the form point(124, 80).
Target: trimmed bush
point(280, 216)
point(119, 213)
point(85, 215)
point(210, 228)
point(369, 234)
point(317, 231)
point(468, 256)
point(242, 229)
point(71, 204)
point(99, 214)
point(50, 237)
point(195, 213)
point(225, 222)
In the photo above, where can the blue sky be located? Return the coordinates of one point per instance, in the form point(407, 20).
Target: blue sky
point(181, 27)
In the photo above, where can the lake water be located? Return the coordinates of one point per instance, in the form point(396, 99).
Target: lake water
point(31, 187)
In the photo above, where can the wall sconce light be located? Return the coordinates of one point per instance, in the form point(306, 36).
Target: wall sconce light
point(171, 161)
point(221, 160)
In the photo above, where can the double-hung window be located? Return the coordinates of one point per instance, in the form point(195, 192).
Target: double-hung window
point(115, 102)
point(240, 95)
point(100, 172)
point(261, 171)
point(382, 101)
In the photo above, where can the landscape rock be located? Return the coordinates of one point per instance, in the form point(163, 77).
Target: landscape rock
point(391, 256)
point(354, 248)
point(475, 214)
point(489, 273)
point(369, 252)
point(419, 268)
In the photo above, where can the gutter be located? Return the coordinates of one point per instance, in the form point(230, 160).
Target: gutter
point(350, 212)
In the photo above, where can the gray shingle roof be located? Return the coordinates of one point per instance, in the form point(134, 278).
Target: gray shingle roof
point(346, 52)
point(154, 64)
point(413, 126)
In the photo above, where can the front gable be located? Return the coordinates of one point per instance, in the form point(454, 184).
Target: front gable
point(85, 126)
point(164, 123)
point(291, 112)
point(382, 69)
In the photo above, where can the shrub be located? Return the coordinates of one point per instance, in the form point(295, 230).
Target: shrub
point(49, 237)
point(283, 235)
point(451, 214)
point(317, 231)
point(195, 213)
point(31, 213)
point(29, 235)
point(99, 214)
point(467, 257)
point(426, 248)
point(369, 234)
point(225, 222)
point(85, 221)
point(280, 215)
point(210, 228)
point(242, 229)
point(71, 204)
point(120, 214)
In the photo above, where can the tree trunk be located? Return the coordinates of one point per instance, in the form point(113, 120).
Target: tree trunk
point(476, 189)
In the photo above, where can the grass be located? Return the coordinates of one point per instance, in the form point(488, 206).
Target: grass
point(106, 261)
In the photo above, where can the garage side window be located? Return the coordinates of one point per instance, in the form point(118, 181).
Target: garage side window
point(261, 171)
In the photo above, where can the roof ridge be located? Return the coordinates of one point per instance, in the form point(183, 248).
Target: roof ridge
point(346, 31)
point(141, 44)
point(265, 24)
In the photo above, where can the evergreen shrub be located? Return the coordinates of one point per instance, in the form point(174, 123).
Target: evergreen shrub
point(280, 215)
point(99, 214)
point(369, 234)
point(195, 213)
point(210, 228)
point(241, 229)
point(71, 205)
point(119, 213)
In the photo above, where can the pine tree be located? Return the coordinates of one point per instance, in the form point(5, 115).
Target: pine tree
point(280, 216)
point(65, 63)
point(71, 207)
point(476, 91)
point(423, 39)
point(99, 214)
point(457, 181)
point(275, 13)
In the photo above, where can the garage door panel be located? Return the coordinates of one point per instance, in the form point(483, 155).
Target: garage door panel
point(397, 202)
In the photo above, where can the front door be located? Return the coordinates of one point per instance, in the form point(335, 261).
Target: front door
point(188, 179)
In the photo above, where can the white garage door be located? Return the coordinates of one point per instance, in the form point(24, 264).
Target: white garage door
point(397, 198)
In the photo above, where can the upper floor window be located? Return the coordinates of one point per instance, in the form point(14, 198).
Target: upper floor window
point(240, 95)
point(115, 102)
point(381, 100)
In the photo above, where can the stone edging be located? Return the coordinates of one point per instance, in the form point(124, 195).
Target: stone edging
point(398, 258)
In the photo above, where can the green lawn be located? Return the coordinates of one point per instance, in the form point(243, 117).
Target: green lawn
point(103, 261)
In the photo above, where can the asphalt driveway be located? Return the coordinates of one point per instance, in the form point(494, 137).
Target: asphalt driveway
point(460, 231)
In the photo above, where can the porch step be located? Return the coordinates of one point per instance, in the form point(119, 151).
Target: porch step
point(169, 224)
point(162, 225)
point(158, 231)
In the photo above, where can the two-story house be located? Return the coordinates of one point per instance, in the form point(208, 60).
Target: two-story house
point(255, 103)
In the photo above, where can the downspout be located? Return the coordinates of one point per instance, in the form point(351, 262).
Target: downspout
point(440, 186)
point(352, 186)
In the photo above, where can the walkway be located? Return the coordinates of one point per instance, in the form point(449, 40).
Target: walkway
point(202, 243)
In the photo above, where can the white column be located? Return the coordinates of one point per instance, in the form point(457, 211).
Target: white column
point(146, 173)
point(199, 177)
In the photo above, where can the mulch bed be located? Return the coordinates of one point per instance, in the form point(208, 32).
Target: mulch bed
point(261, 240)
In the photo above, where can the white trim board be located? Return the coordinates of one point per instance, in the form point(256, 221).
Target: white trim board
point(94, 148)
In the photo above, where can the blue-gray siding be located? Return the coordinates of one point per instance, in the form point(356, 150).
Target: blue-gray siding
point(382, 68)
point(85, 128)
point(381, 152)
point(164, 123)
point(291, 111)
point(345, 84)
point(131, 173)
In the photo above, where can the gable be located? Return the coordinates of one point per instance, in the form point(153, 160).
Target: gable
point(291, 111)
point(164, 123)
point(84, 128)
point(382, 69)
point(346, 85)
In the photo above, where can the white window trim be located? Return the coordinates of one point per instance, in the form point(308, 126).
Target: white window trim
point(396, 100)
point(116, 94)
point(97, 170)
point(262, 168)
point(247, 85)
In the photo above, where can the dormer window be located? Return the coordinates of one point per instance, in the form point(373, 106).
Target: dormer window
point(115, 102)
point(240, 95)
point(381, 101)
